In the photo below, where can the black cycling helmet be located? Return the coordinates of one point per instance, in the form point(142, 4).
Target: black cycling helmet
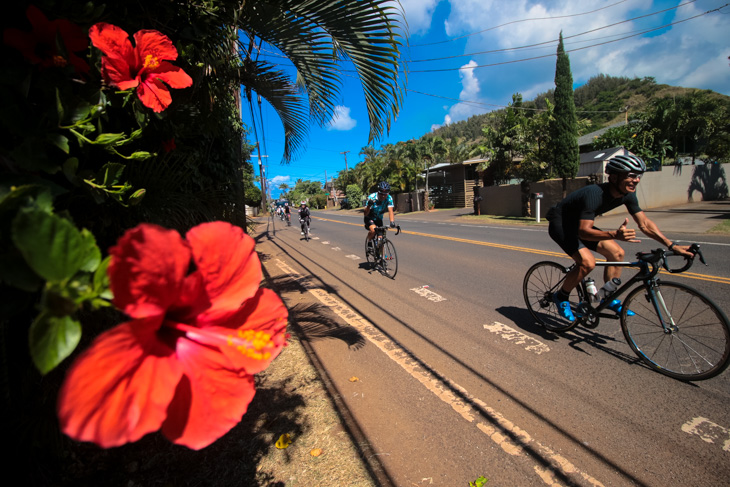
point(621, 164)
point(383, 187)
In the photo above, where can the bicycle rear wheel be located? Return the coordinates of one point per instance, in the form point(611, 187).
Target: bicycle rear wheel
point(541, 282)
point(389, 259)
point(696, 344)
point(370, 252)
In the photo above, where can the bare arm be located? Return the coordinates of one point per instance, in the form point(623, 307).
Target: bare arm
point(391, 214)
point(587, 232)
point(651, 230)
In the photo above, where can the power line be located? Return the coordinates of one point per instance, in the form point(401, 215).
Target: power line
point(553, 40)
point(516, 22)
point(570, 50)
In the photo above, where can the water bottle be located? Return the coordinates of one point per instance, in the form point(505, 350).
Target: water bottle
point(591, 288)
point(609, 288)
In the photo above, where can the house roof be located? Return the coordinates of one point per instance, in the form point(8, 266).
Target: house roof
point(603, 154)
point(588, 139)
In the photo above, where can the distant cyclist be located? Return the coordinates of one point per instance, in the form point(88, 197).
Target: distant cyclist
point(376, 205)
point(571, 227)
point(287, 213)
point(304, 215)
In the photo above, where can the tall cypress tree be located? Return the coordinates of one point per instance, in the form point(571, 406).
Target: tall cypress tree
point(564, 127)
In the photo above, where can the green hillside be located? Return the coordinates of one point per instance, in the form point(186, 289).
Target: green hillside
point(600, 102)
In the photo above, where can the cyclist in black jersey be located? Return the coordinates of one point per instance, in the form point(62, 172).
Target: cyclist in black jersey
point(304, 215)
point(571, 226)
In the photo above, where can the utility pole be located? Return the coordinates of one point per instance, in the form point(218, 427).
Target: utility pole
point(346, 170)
point(263, 178)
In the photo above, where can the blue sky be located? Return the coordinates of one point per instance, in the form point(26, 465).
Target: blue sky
point(451, 78)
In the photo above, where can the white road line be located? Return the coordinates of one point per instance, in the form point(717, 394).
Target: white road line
point(708, 431)
point(428, 294)
point(451, 393)
point(519, 338)
point(325, 243)
point(353, 257)
point(336, 249)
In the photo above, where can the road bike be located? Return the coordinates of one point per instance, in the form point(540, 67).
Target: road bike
point(675, 329)
point(381, 255)
point(288, 219)
point(304, 223)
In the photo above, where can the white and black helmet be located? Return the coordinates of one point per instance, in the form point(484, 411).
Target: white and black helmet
point(620, 164)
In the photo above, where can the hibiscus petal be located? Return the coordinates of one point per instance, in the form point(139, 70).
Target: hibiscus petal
point(119, 63)
point(119, 389)
point(154, 94)
point(210, 399)
point(147, 270)
point(172, 75)
point(262, 323)
point(156, 44)
point(225, 257)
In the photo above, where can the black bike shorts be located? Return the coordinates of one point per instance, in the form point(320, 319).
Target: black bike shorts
point(369, 220)
point(565, 234)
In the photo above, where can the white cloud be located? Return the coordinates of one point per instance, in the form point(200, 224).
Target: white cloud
point(469, 92)
point(277, 181)
point(341, 119)
point(418, 13)
point(685, 54)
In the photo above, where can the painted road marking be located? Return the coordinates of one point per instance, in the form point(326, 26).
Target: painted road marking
point(336, 249)
point(708, 431)
point(353, 257)
point(561, 255)
point(428, 294)
point(325, 243)
point(451, 393)
point(519, 338)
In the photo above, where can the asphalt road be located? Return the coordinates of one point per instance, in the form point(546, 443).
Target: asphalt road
point(447, 377)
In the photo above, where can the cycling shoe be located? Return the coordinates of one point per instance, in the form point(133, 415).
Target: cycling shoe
point(564, 308)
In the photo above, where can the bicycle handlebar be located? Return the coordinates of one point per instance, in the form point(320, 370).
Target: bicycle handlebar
point(662, 255)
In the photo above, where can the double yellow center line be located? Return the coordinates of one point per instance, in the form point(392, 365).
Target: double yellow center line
point(690, 275)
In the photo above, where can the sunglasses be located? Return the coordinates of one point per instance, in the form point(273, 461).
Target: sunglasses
point(634, 176)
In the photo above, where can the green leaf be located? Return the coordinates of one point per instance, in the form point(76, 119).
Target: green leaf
point(101, 279)
point(59, 141)
point(110, 174)
point(70, 168)
point(52, 339)
point(480, 482)
point(51, 246)
point(139, 156)
point(93, 256)
point(108, 139)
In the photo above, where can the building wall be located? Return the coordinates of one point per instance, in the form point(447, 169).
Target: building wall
point(673, 185)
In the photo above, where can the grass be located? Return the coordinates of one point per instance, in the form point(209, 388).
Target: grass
point(723, 227)
point(521, 220)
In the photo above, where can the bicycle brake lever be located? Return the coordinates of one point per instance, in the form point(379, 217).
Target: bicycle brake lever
point(397, 231)
point(695, 249)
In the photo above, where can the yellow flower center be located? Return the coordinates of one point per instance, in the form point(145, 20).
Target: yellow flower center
point(151, 62)
point(59, 61)
point(253, 344)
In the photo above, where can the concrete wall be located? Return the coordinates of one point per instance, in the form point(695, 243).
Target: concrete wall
point(673, 185)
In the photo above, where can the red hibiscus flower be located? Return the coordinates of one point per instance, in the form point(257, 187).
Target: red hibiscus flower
point(143, 66)
point(201, 327)
point(49, 43)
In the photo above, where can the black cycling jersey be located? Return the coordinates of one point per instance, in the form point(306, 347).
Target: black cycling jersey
point(304, 212)
point(585, 204)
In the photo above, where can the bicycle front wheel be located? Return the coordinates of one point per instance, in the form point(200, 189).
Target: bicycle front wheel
point(389, 259)
point(693, 344)
point(541, 282)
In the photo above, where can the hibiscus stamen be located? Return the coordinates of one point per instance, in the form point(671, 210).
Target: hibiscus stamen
point(254, 344)
point(151, 62)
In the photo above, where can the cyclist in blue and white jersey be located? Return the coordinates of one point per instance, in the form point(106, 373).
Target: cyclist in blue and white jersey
point(376, 205)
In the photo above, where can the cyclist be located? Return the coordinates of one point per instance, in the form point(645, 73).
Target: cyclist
point(304, 215)
point(287, 212)
point(376, 205)
point(572, 228)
